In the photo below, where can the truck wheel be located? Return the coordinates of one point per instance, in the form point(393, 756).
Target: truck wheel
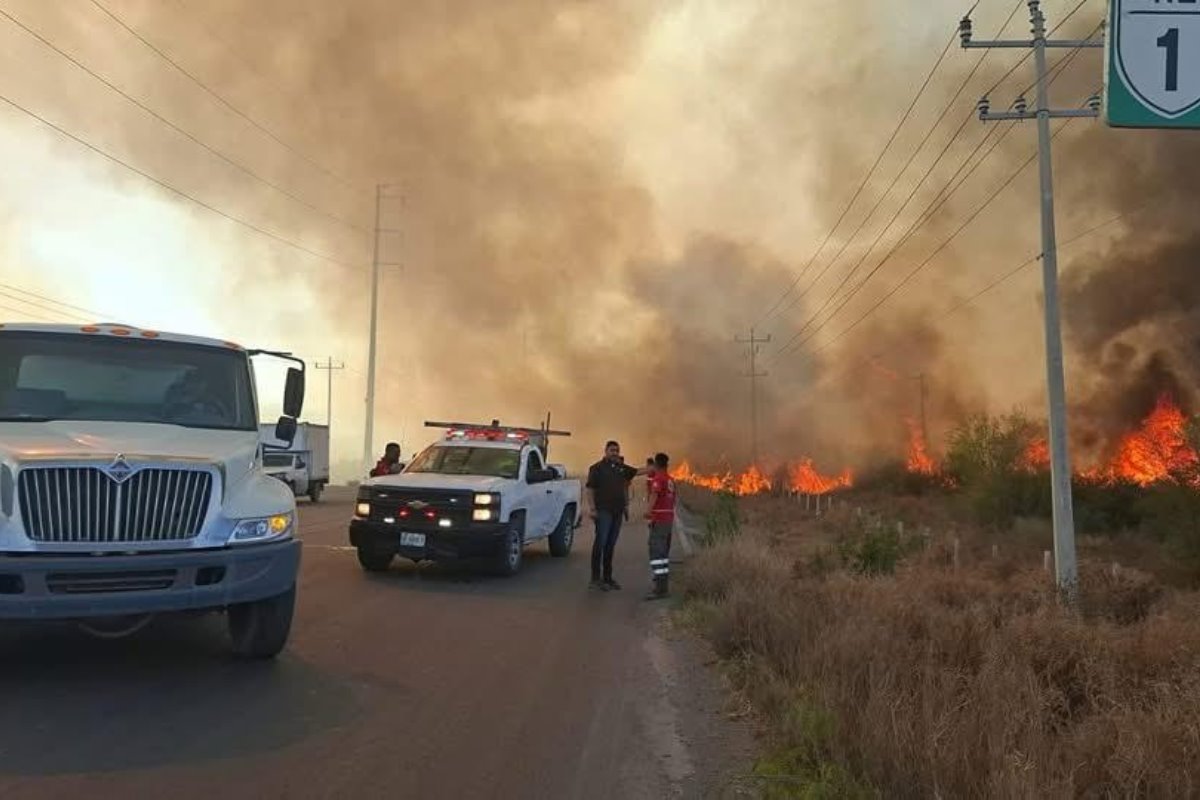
point(373, 560)
point(260, 629)
point(508, 561)
point(564, 535)
point(314, 492)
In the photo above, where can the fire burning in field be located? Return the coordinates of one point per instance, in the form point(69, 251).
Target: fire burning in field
point(919, 462)
point(1158, 450)
point(802, 477)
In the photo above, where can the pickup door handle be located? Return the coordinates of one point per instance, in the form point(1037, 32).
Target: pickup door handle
point(549, 491)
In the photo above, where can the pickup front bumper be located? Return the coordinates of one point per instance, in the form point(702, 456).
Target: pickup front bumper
point(477, 541)
point(70, 586)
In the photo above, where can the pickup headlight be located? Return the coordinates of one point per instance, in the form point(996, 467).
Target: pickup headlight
point(362, 509)
point(263, 528)
point(484, 515)
point(489, 499)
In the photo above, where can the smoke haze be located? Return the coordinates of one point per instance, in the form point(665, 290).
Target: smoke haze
point(592, 200)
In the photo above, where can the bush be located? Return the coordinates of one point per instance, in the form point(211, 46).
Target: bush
point(987, 457)
point(721, 522)
point(893, 477)
point(873, 549)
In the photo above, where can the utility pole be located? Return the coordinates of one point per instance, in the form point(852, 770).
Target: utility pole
point(329, 367)
point(369, 433)
point(753, 375)
point(920, 377)
point(1066, 570)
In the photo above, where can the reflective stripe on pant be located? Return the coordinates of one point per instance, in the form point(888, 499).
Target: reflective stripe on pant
point(660, 549)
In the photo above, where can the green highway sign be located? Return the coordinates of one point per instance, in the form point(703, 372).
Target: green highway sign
point(1152, 64)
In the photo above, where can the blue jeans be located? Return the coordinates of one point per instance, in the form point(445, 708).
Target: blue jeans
point(608, 529)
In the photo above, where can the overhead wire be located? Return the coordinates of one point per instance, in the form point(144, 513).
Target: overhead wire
point(903, 170)
point(245, 170)
point(172, 189)
point(345, 182)
point(936, 204)
point(867, 178)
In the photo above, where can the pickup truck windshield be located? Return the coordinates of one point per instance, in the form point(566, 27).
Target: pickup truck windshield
point(494, 462)
point(56, 376)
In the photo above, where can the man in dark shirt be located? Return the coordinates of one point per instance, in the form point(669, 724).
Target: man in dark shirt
point(607, 504)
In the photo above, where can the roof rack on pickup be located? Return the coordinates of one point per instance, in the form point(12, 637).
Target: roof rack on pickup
point(539, 437)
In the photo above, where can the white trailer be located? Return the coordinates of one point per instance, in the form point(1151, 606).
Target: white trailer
point(304, 466)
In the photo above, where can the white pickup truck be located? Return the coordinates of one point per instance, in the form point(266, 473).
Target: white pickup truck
point(480, 493)
point(131, 483)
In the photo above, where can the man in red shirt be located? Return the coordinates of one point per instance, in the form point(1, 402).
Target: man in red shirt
point(390, 463)
point(662, 520)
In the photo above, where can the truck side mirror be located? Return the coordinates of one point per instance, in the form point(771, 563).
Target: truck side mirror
point(293, 393)
point(285, 430)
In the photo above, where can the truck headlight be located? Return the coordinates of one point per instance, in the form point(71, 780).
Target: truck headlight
point(489, 499)
point(362, 509)
point(483, 515)
point(257, 530)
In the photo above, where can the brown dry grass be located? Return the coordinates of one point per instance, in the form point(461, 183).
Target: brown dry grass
point(943, 682)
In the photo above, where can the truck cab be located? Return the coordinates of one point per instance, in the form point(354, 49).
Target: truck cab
point(479, 493)
point(131, 483)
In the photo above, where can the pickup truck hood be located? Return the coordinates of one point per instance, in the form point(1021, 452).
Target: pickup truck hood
point(432, 480)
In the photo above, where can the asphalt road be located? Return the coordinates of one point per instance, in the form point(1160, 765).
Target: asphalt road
point(417, 683)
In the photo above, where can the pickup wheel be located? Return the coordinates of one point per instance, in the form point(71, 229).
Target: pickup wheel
point(314, 492)
point(373, 560)
point(507, 561)
point(260, 629)
point(564, 534)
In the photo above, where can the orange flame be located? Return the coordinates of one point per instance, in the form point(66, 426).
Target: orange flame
point(1157, 450)
point(919, 462)
point(1036, 457)
point(685, 474)
point(804, 478)
point(752, 481)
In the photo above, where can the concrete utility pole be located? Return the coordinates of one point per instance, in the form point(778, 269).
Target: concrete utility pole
point(920, 378)
point(753, 375)
point(1066, 570)
point(329, 366)
point(369, 433)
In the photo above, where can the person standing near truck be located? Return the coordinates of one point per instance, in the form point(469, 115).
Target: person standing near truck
point(608, 504)
point(390, 463)
point(662, 521)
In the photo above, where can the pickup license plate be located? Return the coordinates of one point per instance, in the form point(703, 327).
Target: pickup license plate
point(412, 540)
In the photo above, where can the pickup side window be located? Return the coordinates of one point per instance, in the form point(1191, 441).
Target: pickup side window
point(533, 464)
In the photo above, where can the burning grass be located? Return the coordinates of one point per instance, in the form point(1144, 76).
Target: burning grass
point(886, 671)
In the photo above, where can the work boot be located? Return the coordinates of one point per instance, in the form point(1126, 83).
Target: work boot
point(660, 589)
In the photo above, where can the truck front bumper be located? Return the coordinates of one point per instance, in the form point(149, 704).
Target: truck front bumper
point(69, 586)
point(477, 541)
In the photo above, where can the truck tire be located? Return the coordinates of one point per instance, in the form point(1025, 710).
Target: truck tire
point(259, 630)
point(373, 560)
point(564, 534)
point(507, 562)
point(314, 492)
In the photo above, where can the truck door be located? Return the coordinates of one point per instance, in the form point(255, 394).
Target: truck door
point(541, 500)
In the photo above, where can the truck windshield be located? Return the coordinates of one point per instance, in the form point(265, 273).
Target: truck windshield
point(57, 376)
point(494, 462)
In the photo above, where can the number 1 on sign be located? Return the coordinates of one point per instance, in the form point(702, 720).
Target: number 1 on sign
point(1170, 42)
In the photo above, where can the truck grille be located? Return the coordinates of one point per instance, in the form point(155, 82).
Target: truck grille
point(83, 504)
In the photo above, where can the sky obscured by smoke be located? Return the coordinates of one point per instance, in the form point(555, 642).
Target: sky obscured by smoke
point(593, 200)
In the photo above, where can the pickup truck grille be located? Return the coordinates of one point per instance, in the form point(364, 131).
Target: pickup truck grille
point(85, 505)
point(412, 505)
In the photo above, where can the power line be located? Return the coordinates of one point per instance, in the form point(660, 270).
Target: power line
point(212, 93)
point(903, 170)
point(929, 259)
point(209, 207)
point(24, 314)
point(935, 205)
point(181, 131)
point(93, 314)
point(867, 178)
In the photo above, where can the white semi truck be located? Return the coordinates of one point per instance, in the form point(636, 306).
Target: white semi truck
point(132, 484)
point(304, 464)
